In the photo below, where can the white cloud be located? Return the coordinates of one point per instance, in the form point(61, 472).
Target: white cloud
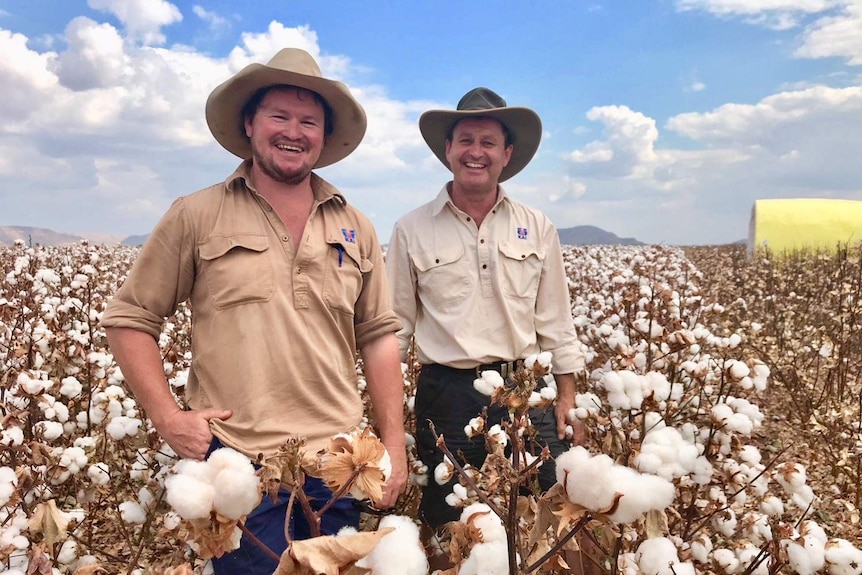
point(696, 87)
point(95, 57)
point(143, 19)
point(791, 144)
point(213, 19)
point(836, 36)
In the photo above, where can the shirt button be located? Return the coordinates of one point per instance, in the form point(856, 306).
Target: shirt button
point(299, 270)
point(481, 241)
point(468, 218)
point(284, 238)
point(437, 261)
point(484, 266)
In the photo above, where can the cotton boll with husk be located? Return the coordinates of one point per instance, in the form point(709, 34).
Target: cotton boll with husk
point(480, 516)
point(399, 552)
point(843, 558)
point(658, 556)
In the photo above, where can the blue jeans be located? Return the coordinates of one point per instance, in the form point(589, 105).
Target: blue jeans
point(267, 522)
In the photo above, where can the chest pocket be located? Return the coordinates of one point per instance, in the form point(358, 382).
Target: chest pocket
point(442, 275)
point(343, 276)
point(521, 266)
point(237, 269)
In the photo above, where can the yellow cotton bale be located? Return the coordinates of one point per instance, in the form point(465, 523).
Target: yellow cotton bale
point(804, 223)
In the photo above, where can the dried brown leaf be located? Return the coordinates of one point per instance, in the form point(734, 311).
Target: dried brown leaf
point(49, 521)
point(327, 555)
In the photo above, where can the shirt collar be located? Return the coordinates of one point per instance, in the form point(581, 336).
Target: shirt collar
point(323, 191)
point(444, 198)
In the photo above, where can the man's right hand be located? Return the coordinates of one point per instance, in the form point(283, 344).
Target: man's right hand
point(188, 432)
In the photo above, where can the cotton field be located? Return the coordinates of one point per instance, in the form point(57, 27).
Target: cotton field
point(721, 402)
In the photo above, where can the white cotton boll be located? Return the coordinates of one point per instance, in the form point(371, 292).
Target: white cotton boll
point(481, 516)
point(588, 402)
point(12, 437)
point(32, 386)
point(236, 492)
point(227, 458)
point(544, 359)
point(444, 472)
point(68, 552)
point(726, 560)
point(189, 496)
point(50, 430)
point(199, 470)
point(121, 427)
point(99, 473)
point(721, 413)
point(799, 558)
point(8, 482)
point(132, 513)
point(772, 506)
point(497, 434)
point(74, 459)
point(750, 454)
point(172, 520)
point(474, 427)
point(592, 481)
point(399, 552)
point(658, 385)
point(487, 559)
point(701, 547)
point(658, 556)
point(725, 521)
point(70, 387)
point(488, 382)
point(843, 558)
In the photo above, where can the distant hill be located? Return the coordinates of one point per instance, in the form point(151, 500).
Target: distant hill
point(135, 240)
point(593, 236)
point(41, 236)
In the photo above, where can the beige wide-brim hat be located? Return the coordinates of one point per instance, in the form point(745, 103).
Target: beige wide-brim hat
point(523, 124)
point(293, 67)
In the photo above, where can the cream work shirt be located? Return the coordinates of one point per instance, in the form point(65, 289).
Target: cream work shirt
point(275, 330)
point(473, 295)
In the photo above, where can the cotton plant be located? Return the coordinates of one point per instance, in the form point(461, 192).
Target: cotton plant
point(212, 497)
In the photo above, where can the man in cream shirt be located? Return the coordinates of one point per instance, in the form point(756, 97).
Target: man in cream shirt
point(478, 280)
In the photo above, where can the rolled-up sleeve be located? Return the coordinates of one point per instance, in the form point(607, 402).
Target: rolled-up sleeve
point(373, 312)
point(555, 327)
point(161, 277)
point(402, 286)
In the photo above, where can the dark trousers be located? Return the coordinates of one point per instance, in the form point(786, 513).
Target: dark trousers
point(446, 397)
point(267, 522)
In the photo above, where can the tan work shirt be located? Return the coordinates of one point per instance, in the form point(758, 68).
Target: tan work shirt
point(275, 333)
point(477, 295)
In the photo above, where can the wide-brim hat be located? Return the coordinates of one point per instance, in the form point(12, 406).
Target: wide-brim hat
point(523, 124)
point(293, 67)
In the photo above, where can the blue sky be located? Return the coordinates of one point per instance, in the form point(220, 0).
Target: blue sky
point(664, 120)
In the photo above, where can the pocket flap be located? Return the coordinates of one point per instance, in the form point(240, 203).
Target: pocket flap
point(217, 246)
point(441, 256)
point(351, 251)
point(520, 250)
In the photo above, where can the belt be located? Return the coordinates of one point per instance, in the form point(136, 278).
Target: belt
point(504, 368)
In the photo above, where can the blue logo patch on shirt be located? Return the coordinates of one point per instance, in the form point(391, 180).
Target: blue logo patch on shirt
point(349, 235)
point(522, 233)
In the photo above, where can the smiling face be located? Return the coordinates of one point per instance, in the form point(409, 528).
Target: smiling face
point(477, 154)
point(286, 132)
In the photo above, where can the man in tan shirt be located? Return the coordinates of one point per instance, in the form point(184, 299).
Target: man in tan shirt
point(286, 281)
point(478, 280)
